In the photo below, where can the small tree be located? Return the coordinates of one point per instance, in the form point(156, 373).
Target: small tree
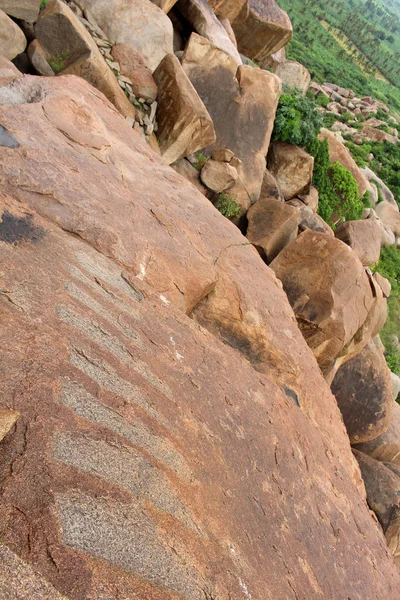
point(298, 119)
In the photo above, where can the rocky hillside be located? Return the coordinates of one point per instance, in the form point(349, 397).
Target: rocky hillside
point(191, 295)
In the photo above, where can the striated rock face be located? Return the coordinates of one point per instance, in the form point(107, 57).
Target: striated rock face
point(262, 30)
point(184, 125)
point(363, 390)
point(156, 461)
point(243, 115)
point(136, 22)
point(292, 167)
point(328, 290)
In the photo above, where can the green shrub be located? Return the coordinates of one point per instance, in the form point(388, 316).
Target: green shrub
point(346, 117)
point(57, 62)
point(322, 100)
point(366, 200)
point(329, 120)
point(227, 205)
point(201, 160)
point(297, 120)
point(338, 191)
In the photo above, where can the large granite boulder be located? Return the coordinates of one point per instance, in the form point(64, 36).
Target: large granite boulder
point(27, 10)
point(385, 191)
point(328, 289)
point(136, 424)
point(204, 22)
point(262, 29)
point(293, 74)
point(389, 215)
point(272, 225)
point(382, 485)
point(363, 237)
point(70, 49)
point(12, 39)
point(184, 125)
point(242, 103)
point(136, 22)
point(363, 390)
point(292, 167)
point(386, 447)
point(339, 153)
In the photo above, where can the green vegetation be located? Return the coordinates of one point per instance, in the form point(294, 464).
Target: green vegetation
point(57, 62)
point(354, 43)
point(338, 191)
point(389, 267)
point(201, 160)
point(297, 119)
point(43, 3)
point(227, 205)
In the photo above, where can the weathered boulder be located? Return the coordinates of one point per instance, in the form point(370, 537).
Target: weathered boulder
point(204, 22)
point(292, 167)
point(386, 448)
point(363, 390)
point(136, 22)
point(311, 198)
point(184, 168)
point(133, 66)
point(218, 176)
point(27, 10)
point(377, 135)
point(8, 418)
point(384, 284)
point(389, 215)
point(272, 225)
point(165, 5)
point(272, 62)
point(387, 236)
point(263, 30)
point(222, 155)
point(270, 187)
point(143, 423)
point(328, 289)
point(382, 485)
point(293, 74)
point(309, 219)
point(70, 49)
point(338, 152)
point(363, 237)
point(228, 8)
point(12, 39)
point(184, 125)
point(243, 115)
point(38, 59)
point(385, 191)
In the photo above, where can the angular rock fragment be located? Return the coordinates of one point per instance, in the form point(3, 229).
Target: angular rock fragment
point(309, 219)
point(38, 59)
point(184, 125)
point(8, 418)
point(218, 176)
point(133, 66)
point(27, 10)
point(292, 167)
point(363, 237)
point(229, 9)
point(136, 22)
point(71, 50)
point(265, 30)
point(272, 225)
point(311, 199)
point(363, 390)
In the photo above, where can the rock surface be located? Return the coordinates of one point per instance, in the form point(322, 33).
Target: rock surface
point(243, 115)
point(292, 167)
point(38, 59)
point(309, 219)
point(12, 39)
point(218, 176)
point(293, 74)
point(272, 226)
point(144, 423)
point(262, 30)
point(184, 125)
point(27, 10)
point(328, 289)
point(363, 237)
point(389, 215)
point(8, 418)
point(133, 66)
point(386, 448)
point(136, 22)
point(363, 390)
point(228, 8)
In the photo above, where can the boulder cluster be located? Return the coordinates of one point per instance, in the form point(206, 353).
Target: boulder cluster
point(167, 427)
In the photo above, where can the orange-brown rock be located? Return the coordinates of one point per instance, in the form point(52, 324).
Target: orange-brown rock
point(133, 66)
point(392, 535)
point(151, 459)
point(8, 418)
point(228, 8)
point(389, 215)
point(338, 152)
point(12, 38)
point(363, 237)
point(262, 29)
point(382, 485)
point(292, 167)
point(293, 74)
point(328, 289)
point(184, 124)
point(165, 5)
point(8, 71)
point(184, 168)
point(270, 187)
point(377, 135)
point(311, 199)
point(309, 219)
point(38, 59)
point(243, 115)
point(272, 226)
point(72, 49)
point(218, 176)
point(386, 447)
point(363, 390)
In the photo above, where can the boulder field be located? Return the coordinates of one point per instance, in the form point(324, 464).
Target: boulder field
point(175, 437)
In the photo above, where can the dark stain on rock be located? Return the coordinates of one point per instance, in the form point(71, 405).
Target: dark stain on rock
point(16, 229)
point(292, 395)
point(8, 140)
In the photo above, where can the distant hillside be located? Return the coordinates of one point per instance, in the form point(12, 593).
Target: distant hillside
point(355, 43)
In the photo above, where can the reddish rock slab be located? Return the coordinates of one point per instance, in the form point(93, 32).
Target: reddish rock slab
point(386, 447)
point(155, 461)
